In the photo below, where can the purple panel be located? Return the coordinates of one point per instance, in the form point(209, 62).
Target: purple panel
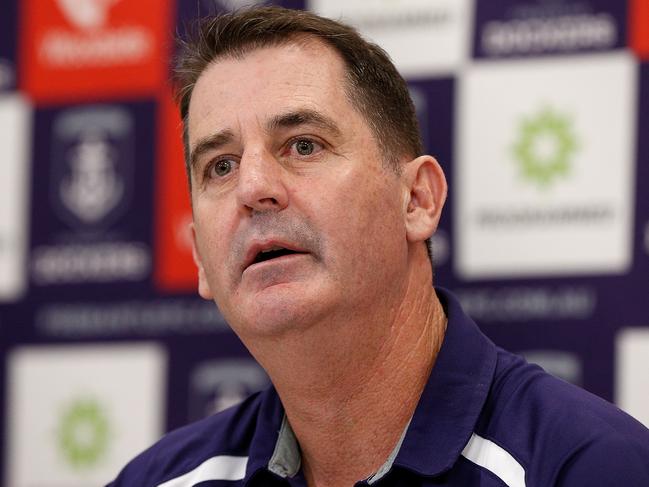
point(513, 28)
point(8, 44)
point(205, 372)
point(191, 9)
point(575, 317)
point(640, 275)
point(3, 392)
point(433, 101)
point(578, 352)
point(92, 190)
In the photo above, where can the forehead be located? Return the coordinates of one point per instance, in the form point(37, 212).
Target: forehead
point(234, 91)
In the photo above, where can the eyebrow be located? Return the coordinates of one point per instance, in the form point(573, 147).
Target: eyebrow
point(303, 117)
point(209, 142)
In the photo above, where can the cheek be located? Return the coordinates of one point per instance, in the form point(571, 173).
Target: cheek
point(357, 214)
point(212, 244)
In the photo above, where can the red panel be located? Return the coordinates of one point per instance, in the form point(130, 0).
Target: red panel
point(174, 266)
point(639, 27)
point(79, 49)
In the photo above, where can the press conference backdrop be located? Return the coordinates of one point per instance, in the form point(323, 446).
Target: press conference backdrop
point(538, 110)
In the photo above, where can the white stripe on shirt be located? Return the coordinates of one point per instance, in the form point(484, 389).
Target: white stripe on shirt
point(494, 458)
point(221, 467)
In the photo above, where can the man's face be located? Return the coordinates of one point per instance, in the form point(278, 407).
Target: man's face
point(296, 220)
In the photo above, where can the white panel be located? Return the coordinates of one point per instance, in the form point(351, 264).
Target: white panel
point(544, 175)
point(422, 37)
point(15, 135)
point(79, 413)
point(632, 372)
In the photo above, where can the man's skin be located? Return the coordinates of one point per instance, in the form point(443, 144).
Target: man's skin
point(348, 329)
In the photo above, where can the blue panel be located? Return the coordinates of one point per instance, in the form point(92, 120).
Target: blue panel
point(92, 199)
point(433, 101)
point(512, 28)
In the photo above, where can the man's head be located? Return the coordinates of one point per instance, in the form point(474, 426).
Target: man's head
point(372, 83)
point(298, 220)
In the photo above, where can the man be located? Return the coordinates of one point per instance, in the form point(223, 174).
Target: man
point(312, 208)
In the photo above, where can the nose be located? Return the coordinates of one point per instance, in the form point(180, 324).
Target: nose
point(261, 185)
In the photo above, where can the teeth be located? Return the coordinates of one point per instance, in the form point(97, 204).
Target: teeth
point(272, 249)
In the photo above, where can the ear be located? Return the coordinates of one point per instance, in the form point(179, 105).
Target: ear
point(426, 186)
point(203, 285)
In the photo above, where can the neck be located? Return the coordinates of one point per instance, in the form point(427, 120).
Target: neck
point(349, 399)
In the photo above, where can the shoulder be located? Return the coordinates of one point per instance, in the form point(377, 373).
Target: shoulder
point(609, 459)
point(228, 433)
point(558, 432)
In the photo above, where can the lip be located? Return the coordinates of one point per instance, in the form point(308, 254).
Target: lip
point(260, 245)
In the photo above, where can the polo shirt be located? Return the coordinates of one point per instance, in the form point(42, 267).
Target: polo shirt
point(485, 418)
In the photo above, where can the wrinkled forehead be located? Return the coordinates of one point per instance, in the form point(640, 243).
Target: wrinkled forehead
point(304, 73)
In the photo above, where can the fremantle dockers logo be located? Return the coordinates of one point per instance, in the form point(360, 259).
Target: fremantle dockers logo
point(92, 165)
point(219, 384)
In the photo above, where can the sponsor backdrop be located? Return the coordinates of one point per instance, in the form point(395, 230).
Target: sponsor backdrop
point(537, 109)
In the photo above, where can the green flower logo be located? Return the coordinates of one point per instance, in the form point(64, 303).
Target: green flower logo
point(83, 433)
point(545, 145)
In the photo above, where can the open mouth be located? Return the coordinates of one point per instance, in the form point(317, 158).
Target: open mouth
point(273, 253)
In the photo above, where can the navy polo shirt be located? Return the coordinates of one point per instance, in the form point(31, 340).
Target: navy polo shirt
point(485, 418)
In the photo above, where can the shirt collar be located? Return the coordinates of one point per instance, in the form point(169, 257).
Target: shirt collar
point(453, 398)
point(444, 418)
point(272, 434)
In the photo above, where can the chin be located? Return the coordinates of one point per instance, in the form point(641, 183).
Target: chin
point(273, 316)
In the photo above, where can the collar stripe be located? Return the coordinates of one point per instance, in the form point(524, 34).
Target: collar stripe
point(494, 458)
point(221, 467)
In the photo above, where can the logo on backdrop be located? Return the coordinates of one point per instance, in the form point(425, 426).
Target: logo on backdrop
point(86, 14)
point(93, 187)
point(219, 384)
point(93, 41)
point(514, 28)
point(94, 227)
point(545, 146)
point(84, 49)
point(92, 165)
point(77, 413)
point(84, 433)
point(536, 192)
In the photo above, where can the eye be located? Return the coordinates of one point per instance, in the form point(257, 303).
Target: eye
point(221, 168)
point(304, 147)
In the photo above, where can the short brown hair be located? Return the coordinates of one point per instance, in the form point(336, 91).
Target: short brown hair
point(374, 86)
